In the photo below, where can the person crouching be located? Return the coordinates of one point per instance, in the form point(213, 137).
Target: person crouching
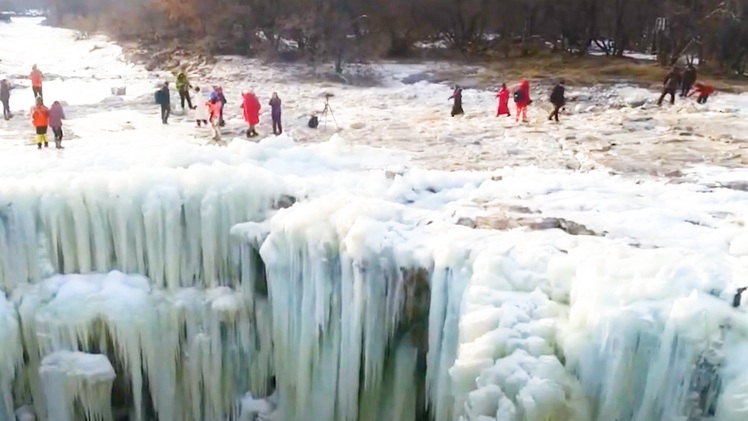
point(56, 115)
point(703, 90)
point(40, 120)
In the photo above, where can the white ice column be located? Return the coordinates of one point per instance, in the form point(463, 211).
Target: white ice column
point(76, 381)
point(11, 355)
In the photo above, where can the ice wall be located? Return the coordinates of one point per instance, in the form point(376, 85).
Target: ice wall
point(192, 351)
point(338, 276)
point(171, 225)
point(11, 355)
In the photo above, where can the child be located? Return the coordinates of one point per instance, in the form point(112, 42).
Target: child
point(215, 106)
point(704, 90)
point(202, 113)
point(40, 119)
point(503, 96)
point(275, 106)
point(56, 115)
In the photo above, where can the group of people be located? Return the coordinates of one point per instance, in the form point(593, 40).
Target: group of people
point(209, 109)
point(521, 97)
point(686, 83)
point(42, 118)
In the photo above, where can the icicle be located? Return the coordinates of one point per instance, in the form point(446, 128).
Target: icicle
point(72, 378)
point(11, 355)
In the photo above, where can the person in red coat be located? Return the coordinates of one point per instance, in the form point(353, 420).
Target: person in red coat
point(522, 99)
point(704, 90)
point(251, 107)
point(503, 96)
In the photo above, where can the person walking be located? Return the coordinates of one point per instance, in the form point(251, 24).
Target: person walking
point(202, 112)
point(40, 120)
point(251, 107)
point(275, 113)
point(163, 98)
point(558, 99)
point(522, 100)
point(5, 98)
point(670, 85)
point(503, 96)
point(36, 77)
point(457, 104)
point(689, 78)
point(183, 87)
point(56, 115)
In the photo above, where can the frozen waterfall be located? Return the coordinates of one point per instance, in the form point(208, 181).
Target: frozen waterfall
point(208, 294)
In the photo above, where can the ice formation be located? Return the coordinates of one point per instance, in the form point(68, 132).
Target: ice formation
point(286, 281)
point(77, 386)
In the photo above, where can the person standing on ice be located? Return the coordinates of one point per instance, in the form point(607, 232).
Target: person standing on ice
point(558, 99)
point(251, 108)
point(5, 98)
point(218, 94)
point(56, 115)
point(522, 100)
point(183, 87)
point(689, 78)
point(457, 104)
point(202, 113)
point(503, 96)
point(40, 120)
point(163, 98)
point(215, 108)
point(275, 113)
point(670, 85)
point(703, 90)
point(36, 77)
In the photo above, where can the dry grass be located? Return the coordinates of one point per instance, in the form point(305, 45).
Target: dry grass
point(591, 70)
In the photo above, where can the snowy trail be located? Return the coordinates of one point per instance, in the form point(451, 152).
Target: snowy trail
point(522, 292)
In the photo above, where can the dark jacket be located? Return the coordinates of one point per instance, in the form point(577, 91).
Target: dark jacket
point(4, 91)
point(673, 80)
point(557, 95)
point(163, 97)
point(275, 107)
point(689, 76)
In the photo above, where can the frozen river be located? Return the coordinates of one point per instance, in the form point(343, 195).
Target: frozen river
point(409, 267)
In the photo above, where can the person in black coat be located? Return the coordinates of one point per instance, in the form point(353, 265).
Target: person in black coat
point(670, 85)
point(457, 104)
point(558, 99)
point(689, 78)
point(163, 98)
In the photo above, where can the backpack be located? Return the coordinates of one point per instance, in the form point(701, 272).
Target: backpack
point(158, 97)
point(518, 96)
point(313, 122)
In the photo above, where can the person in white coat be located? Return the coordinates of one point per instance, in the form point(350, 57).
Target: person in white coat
point(202, 114)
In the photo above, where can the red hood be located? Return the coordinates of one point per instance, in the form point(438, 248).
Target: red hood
point(524, 84)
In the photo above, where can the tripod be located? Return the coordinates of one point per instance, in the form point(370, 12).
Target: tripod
point(328, 109)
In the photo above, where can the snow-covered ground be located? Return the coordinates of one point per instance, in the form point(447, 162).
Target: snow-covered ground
point(576, 271)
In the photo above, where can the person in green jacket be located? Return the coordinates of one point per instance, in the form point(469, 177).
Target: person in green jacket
point(183, 87)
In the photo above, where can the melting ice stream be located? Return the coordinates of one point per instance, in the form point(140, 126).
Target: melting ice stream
point(149, 278)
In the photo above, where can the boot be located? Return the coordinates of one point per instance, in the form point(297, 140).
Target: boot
point(58, 144)
point(38, 146)
point(46, 144)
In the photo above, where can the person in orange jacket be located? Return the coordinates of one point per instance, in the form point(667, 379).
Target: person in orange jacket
point(36, 81)
point(704, 90)
point(522, 99)
point(40, 120)
point(503, 96)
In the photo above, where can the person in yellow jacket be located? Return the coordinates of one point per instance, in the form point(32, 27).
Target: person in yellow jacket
point(40, 120)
